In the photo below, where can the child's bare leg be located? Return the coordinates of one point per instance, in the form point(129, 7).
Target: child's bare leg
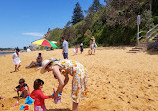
point(18, 67)
point(31, 65)
point(75, 106)
point(25, 93)
point(15, 68)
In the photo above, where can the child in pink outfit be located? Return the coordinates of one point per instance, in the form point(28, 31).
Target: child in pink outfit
point(76, 48)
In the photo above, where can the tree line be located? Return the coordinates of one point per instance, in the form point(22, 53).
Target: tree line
point(113, 23)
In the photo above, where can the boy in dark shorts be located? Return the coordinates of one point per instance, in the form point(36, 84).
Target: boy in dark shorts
point(22, 89)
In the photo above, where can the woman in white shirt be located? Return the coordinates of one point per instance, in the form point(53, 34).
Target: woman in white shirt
point(16, 60)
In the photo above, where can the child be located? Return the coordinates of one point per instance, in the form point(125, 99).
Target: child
point(16, 60)
point(22, 89)
point(38, 96)
point(81, 48)
point(76, 48)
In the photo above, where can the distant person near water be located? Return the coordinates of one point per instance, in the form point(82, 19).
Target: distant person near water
point(65, 46)
point(38, 62)
point(92, 45)
point(16, 60)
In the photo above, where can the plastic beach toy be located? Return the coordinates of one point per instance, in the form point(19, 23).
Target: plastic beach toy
point(12, 106)
point(22, 107)
point(26, 107)
point(29, 100)
point(58, 100)
point(17, 104)
point(89, 51)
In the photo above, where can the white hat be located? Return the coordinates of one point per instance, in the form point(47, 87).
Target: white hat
point(44, 65)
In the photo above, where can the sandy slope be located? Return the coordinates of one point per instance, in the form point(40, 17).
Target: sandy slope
point(117, 80)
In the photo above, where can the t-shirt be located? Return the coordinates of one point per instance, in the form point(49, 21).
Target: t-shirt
point(20, 88)
point(16, 58)
point(39, 59)
point(65, 44)
point(39, 97)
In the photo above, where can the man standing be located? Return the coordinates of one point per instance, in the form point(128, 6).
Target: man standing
point(65, 48)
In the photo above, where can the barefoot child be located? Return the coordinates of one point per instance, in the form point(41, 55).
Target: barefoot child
point(16, 60)
point(38, 96)
point(76, 48)
point(22, 89)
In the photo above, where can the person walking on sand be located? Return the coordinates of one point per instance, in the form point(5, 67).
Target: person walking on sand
point(92, 45)
point(65, 46)
point(16, 60)
point(68, 67)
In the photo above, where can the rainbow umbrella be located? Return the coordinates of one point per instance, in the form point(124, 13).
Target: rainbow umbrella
point(44, 42)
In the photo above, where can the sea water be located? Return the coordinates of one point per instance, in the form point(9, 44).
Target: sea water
point(4, 53)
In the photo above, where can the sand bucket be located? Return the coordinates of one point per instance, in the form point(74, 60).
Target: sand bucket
point(58, 100)
point(89, 51)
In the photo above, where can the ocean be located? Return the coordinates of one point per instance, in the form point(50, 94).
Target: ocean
point(4, 53)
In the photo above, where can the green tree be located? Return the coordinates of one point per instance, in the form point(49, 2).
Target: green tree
point(77, 14)
point(147, 20)
point(87, 37)
point(95, 7)
point(154, 7)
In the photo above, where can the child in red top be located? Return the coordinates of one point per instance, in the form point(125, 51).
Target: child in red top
point(38, 96)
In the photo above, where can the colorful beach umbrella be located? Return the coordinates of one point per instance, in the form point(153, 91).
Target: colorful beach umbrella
point(44, 42)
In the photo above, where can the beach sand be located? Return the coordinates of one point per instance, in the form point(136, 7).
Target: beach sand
point(117, 80)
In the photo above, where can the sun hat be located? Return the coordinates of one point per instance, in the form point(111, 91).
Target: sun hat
point(92, 38)
point(44, 65)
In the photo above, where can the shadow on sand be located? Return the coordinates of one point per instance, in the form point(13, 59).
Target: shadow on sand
point(59, 109)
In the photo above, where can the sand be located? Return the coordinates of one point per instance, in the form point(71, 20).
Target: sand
point(117, 80)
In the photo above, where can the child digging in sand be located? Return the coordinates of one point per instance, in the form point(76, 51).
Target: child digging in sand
point(22, 89)
point(38, 96)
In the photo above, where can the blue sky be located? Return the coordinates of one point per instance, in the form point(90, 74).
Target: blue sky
point(23, 21)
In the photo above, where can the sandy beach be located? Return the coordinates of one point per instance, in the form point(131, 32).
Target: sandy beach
point(117, 80)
